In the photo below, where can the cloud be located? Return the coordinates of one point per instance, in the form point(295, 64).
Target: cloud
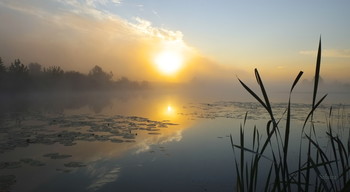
point(94, 3)
point(145, 27)
point(330, 53)
point(102, 176)
point(118, 2)
point(78, 34)
point(163, 138)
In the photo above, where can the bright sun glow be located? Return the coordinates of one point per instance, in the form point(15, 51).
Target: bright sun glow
point(170, 111)
point(170, 108)
point(169, 62)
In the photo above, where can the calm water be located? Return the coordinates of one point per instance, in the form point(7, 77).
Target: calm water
point(132, 142)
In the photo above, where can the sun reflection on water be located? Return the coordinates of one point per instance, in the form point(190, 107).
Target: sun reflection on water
point(166, 111)
point(141, 126)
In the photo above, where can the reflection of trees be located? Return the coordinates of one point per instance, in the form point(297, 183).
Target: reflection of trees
point(19, 77)
point(34, 87)
point(98, 102)
point(56, 103)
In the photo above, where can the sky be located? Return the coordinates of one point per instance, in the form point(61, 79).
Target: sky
point(221, 39)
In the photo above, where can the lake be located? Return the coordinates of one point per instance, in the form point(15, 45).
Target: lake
point(135, 141)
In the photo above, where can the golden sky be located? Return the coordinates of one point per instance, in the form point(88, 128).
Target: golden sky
point(127, 37)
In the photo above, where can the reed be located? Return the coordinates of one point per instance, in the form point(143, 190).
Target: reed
point(318, 169)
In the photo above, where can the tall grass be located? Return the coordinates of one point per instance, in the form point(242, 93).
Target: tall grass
point(317, 169)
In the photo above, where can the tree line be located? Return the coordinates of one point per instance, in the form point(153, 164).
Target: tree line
point(18, 77)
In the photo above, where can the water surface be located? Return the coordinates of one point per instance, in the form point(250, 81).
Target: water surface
point(136, 141)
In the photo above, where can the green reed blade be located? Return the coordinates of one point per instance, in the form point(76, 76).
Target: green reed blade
point(318, 173)
point(296, 80)
point(286, 138)
point(330, 134)
point(245, 118)
point(242, 155)
point(312, 111)
point(346, 187)
point(251, 151)
point(263, 91)
point(267, 183)
point(253, 94)
point(317, 73)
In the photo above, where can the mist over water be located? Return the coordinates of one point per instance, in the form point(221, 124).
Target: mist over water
point(118, 95)
point(101, 134)
point(161, 138)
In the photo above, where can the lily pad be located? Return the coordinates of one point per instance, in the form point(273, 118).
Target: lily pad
point(68, 130)
point(10, 165)
point(129, 136)
point(64, 170)
point(6, 181)
point(74, 164)
point(154, 133)
point(57, 156)
point(117, 141)
point(33, 162)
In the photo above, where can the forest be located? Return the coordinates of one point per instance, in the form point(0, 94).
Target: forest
point(18, 77)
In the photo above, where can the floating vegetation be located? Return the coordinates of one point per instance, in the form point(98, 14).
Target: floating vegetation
point(47, 129)
point(10, 165)
point(74, 164)
point(236, 110)
point(57, 156)
point(18, 164)
point(6, 182)
point(117, 141)
point(64, 170)
point(129, 136)
point(32, 162)
point(154, 133)
point(30, 128)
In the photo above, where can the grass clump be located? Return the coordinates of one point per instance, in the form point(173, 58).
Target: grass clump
point(317, 168)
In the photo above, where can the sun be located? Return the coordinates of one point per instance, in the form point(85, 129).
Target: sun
point(169, 62)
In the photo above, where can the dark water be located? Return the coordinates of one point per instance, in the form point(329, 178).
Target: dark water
point(135, 141)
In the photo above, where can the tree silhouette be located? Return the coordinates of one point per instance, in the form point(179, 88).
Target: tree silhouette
point(34, 69)
point(99, 78)
point(54, 71)
point(98, 74)
point(17, 68)
point(19, 77)
point(2, 74)
point(75, 81)
point(2, 67)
